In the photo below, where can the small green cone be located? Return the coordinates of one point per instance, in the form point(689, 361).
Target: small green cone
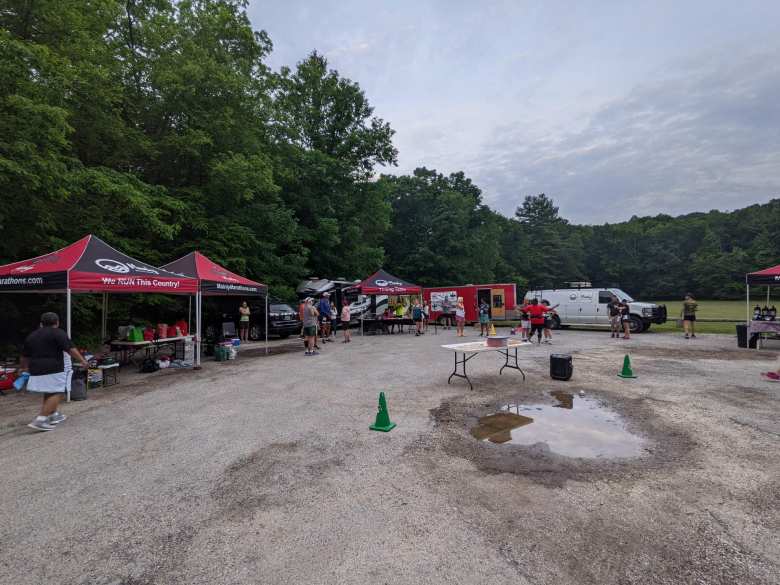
point(627, 372)
point(382, 417)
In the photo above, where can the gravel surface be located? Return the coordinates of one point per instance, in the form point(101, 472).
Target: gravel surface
point(263, 470)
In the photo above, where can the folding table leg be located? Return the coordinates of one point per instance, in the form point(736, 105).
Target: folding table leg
point(462, 363)
point(508, 364)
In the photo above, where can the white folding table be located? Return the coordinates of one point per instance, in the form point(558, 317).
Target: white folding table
point(473, 348)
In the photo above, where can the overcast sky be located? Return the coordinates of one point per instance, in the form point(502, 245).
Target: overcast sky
point(612, 108)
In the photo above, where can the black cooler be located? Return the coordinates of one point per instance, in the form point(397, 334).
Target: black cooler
point(561, 367)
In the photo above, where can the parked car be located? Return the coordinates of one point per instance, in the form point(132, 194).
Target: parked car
point(588, 306)
point(222, 314)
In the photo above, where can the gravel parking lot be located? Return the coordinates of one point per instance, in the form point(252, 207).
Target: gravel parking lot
point(263, 470)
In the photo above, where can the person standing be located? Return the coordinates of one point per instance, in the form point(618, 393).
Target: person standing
point(460, 317)
point(525, 326)
point(324, 315)
point(243, 321)
point(548, 321)
point(690, 306)
point(310, 315)
point(446, 312)
point(625, 318)
point(613, 307)
point(417, 317)
point(484, 318)
point(426, 315)
point(346, 317)
point(46, 356)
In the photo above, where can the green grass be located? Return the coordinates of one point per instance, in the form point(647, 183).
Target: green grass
point(729, 310)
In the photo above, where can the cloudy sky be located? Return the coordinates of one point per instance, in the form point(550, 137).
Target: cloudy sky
point(613, 108)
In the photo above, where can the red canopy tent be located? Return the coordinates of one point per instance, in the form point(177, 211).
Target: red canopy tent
point(384, 283)
point(767, 277)
point(216, 280)
point(213, 278)
point(92, 266)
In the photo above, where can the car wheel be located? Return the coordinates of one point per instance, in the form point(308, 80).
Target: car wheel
point(645, 327)
point(254, 333)
point(284, 335)
point(635, 324)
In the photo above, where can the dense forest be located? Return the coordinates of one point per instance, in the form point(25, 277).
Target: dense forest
point(158, 126)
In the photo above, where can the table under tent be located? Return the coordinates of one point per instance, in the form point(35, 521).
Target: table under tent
point(763, 323)
point(90, 265)
point(215, 280)
point(379, 284)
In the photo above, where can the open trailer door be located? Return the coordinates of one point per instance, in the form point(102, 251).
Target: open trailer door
point(498, 306)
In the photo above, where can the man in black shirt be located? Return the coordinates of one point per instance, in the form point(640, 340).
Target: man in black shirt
point(46, 356)
point(614, 315)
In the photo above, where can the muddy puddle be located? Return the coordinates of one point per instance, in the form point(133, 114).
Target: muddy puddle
point(573, 426)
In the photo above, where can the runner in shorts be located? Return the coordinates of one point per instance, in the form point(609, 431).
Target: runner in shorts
point(614, 316)
point(324, 317)
point(346, 317)
point(548, 321)
point(690, 306)
point(310, 315)
point(46, 355)
point(484, 318)
point(525, 326)
point(625, 319)
point(460, 317)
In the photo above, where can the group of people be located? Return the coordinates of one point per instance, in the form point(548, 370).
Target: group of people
point(619, 317)
point(321, 320)
point(419, 313)
point(537, 317)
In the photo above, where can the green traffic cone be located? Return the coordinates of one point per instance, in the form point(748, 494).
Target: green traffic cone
point(627, 372)
point(382, 417)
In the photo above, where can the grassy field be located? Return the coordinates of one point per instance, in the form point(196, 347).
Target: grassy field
point(729, 310)
point(708, 310)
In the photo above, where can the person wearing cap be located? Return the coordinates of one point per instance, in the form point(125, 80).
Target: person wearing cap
point(324, 313)
point(46, 355)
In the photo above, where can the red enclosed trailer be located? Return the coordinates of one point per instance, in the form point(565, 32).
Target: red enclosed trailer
point(502, 299)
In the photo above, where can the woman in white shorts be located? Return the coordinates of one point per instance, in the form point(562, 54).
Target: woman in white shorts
point(525, 326)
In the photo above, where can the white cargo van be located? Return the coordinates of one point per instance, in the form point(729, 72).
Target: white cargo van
point(588, 306)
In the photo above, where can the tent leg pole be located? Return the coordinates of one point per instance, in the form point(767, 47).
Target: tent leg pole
point(197, 329)
point(67, 312)
point(266, 321)
point(68, 330)
point(104, 323)
point(189, 314)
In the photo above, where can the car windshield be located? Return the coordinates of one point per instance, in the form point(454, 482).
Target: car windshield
point(622, 295)
point(280, 309)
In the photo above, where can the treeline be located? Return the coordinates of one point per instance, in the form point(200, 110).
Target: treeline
point(157, 126)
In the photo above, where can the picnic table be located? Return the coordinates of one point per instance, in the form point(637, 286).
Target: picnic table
point(127, 349)
point(471, 349)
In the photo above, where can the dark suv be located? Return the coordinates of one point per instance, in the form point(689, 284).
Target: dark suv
point(282, 318)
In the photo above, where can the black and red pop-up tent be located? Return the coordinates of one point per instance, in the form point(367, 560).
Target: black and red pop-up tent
point(91, 266)
point(767, 277)
point(384, 283)
point(213, 278)
point(216, 280)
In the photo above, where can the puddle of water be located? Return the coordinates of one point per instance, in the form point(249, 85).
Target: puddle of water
point(574, 427)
